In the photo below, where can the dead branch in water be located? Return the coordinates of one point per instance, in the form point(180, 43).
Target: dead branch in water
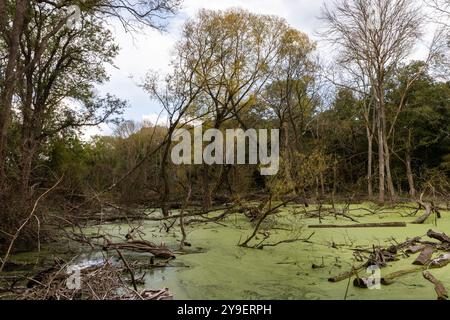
point(429, 209)
point(438, 236)
point(100, 282)
point(360, 225)
point(261, 245)
point(390, 278)
point(125, 262)
point(438, 286)
point(31, 215)
point(424, 256)
point(142, 246)
point(262, 217)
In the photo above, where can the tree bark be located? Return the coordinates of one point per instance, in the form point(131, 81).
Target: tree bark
point(387, 163)
point(381, 178)
point(207, 191)
point(387, 157)
point(438, 236)
point(438, 286)
point(409, 174)
point(424, 256)
point(165, 195)
point(369, 163)
point(359, 225)
point(10, 79)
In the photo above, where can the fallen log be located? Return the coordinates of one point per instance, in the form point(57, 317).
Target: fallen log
point(389, 279)
point(438, 286)
point(424, 256)
point(142, 246)
point(438, 236)
point(346, 275)
point(415, 249)
point(440, 261)
point(386, 280)
point(406, 244)
point(360, 225)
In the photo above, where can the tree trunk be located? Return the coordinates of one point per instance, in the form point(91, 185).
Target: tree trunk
point(369, 164)
point(165, 195)
point(387, 164)
point(322, 185)
point(10, 79)
point(286, 157)
point(207, 192)
point(409, 174)
point(387, 157)
point(381, 179)
point(333, 193)
point(27, 157)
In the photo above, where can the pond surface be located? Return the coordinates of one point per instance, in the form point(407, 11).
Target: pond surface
point(215, 267)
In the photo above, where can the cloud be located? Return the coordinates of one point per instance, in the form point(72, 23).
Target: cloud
point(155, 118)
point(90, 131)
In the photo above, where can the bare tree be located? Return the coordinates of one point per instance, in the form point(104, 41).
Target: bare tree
point(378, 34)
point(177, 98)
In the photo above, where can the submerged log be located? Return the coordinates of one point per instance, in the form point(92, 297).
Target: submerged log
point(360, 225)
point(438, 236)
point(346, 275)
point(143, 246)
point(389, 279)
point(424, 256)
point(438, 286)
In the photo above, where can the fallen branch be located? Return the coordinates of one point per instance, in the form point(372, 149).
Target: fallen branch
point(261, 246)
point(438, 286)
point(429, 209)
point(389, 279)
point(125, 262)
point(438, 236)
point(424, 256)
point(262, 217)
point(440, 261)
point(347, 274)
point(360, 225)
point(142, 246)
point(16, 235)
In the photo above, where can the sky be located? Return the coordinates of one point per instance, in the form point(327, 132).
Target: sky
point(151, 49)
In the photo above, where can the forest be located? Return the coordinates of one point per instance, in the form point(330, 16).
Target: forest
point(361, 199)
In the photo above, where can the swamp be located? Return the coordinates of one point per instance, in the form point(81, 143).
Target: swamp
point(290, 260)
point(220, 150)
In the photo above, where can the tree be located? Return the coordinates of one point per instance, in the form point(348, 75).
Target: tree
point(234, 54)
point(378, 35)
point(49, 71)
point(68, 69)
point(423, 123)
point(292, 96)
point(17, 16)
